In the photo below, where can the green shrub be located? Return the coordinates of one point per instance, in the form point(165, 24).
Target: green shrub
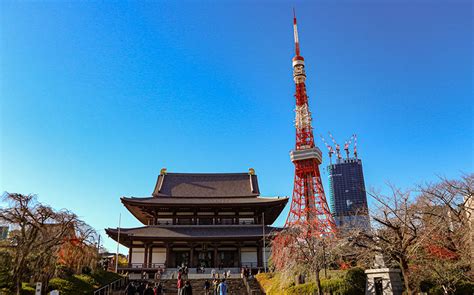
point(64, 286)
point(463, 288)
point(5, 277)
point(303, 289)
point(103, 277)
point(356, 279)
point(27, 289)
point(86, 270)
point(336, 285)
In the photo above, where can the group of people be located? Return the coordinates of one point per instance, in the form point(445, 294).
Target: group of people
point(245, 272)
point(183, 271)
point(200, 269)
point(216, 275)
point(218, 288)
point(144, 288)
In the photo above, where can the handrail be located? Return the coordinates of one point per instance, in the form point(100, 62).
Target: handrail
point(106, 290)
point(250, 290)
point(246, 284)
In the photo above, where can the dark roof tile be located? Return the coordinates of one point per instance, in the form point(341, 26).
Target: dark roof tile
point(206, 185)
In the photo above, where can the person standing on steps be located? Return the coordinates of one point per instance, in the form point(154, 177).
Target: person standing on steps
point(215, 285)
point(180, 286)
point(222, 289)
point(207, 286)
point(148, 290)
point(187, 289)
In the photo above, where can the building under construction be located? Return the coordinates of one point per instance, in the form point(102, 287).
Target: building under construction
point(347, 194)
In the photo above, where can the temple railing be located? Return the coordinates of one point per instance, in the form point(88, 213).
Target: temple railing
point(154, 266)
point(249, 264)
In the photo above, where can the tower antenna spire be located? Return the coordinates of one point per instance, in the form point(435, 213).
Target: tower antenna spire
point(295, 32)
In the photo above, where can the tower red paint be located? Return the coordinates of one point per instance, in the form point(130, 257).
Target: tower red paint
point(309, 206)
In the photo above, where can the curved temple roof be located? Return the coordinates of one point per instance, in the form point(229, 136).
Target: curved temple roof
point(205, 185)
point(205, 192)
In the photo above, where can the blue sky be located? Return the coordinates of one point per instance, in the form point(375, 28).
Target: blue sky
point(97, 97)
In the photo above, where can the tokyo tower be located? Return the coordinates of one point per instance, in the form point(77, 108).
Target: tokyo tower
point(309, 207)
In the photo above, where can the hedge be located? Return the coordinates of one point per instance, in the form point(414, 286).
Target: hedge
point(82, 284)
point(350, 282)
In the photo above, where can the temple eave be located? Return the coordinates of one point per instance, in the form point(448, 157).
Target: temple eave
point(189, 233)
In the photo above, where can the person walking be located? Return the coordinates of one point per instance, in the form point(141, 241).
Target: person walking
point(158, 289)
point(213, 273)
point(222, 289)
point(148, 290)
point(180, 286)
point(131, 290)
point(187, 289)
point(215, 286)
point(207, 287)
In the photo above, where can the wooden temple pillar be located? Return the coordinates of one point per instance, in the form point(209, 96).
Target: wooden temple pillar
point(168, 254)
point(191, 254)
point(145, 260)
point(259, 255)
point(216, 257)
point(130, 251)
point(239, 255)
point(150, 255)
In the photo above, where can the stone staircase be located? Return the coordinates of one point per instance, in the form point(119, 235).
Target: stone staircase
point(235, 286)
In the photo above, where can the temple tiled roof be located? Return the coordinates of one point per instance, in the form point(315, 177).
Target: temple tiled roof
point(206, 185)
point(190, 232)
point(193, 192)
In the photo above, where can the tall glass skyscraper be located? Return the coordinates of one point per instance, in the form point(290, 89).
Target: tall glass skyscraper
point(347, 194)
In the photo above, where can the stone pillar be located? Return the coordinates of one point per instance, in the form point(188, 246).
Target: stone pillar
point(383, 281)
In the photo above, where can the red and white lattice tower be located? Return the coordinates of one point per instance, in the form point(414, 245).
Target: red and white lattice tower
point(309, 207)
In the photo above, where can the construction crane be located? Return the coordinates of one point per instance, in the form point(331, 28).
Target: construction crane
point(355, 145)
point(330, 149)
point(347, 144)
point(338, 147)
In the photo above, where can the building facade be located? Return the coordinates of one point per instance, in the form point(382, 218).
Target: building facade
point(347, 194)
point(209, 220)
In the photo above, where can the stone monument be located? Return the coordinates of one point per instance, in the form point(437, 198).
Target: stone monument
point(382, 280)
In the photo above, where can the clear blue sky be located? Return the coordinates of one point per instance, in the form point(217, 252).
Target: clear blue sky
point(96, 97)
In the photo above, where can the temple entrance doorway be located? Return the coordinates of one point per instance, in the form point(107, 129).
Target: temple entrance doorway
point(228, 259)
point(181, 258)
point(204, 259)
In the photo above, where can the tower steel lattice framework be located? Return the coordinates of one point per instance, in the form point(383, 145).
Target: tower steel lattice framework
point(309, 207)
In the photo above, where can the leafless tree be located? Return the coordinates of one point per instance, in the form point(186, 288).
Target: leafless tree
point(395, 234)
point(299, 250)
point(446, 252)
point(39, 234)
point(426, 235)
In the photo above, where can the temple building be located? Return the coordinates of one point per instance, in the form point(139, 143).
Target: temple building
point(210, 220)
